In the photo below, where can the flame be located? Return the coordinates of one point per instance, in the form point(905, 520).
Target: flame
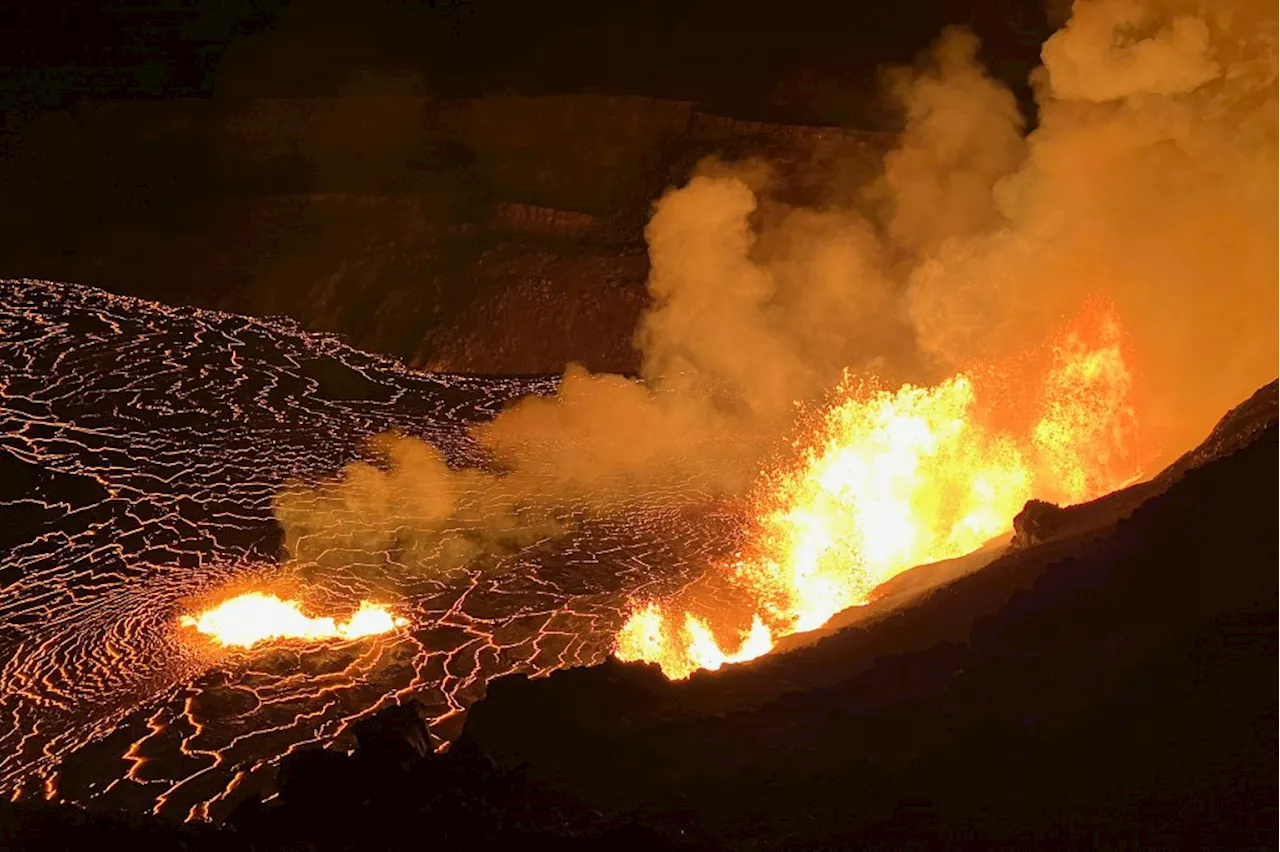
point(895, 479)
point(645, 637)
point(1087, 433)
point(254, 617)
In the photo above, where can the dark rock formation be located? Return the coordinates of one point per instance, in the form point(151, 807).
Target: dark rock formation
point(1117, 693)
point(499, 235)
point(1235, 430)
point(1037, 522)
point(397, 736)
point(395, 792)
point(535, 308)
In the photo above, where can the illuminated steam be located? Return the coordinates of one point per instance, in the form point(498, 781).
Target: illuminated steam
point(1148, 181)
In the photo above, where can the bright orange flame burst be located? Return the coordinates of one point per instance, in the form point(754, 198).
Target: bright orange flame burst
point(254, 617)
point(904, 478)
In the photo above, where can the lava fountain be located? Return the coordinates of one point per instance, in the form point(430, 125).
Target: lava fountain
point(891, 479)
point(254, 617)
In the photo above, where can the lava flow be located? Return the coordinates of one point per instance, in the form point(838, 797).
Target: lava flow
point(141, 451)
point(254, 617)
point(895, 479)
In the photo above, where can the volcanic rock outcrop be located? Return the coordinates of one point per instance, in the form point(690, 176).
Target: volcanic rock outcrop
point(1037, 522)
point(496, 235)
point(1117, 683)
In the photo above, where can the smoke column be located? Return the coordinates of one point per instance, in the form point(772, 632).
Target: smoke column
point(1149, 180)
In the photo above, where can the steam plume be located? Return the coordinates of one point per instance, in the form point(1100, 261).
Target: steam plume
point(1149, 180)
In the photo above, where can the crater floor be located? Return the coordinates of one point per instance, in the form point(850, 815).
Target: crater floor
point(141, 446)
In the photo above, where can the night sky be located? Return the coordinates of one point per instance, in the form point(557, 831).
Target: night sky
point(801, 61)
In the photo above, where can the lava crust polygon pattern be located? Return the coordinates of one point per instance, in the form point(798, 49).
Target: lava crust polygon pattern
point(141, 446)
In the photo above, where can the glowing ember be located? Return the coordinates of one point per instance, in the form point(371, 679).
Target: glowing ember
point(645, 637)
point(903, 478)
point(1085, 438)
point(251, 618)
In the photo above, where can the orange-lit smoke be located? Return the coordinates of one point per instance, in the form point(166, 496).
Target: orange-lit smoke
point(1147, 185)
point(894, 479)
point(1150, 178)
point(254, 617)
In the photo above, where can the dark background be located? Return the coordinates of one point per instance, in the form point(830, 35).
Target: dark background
point(765, 59)
point(462, 185)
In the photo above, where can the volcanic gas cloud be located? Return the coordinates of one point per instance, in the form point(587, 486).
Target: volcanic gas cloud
point(883, 378)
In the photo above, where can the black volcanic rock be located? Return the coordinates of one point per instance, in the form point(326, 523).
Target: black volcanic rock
point(1037, 522)
point(397, 735)
point(489, 235)
point(519, 721)
point(316, 775)
point(1064, 714)
point(44, 825)
point(1235, 430)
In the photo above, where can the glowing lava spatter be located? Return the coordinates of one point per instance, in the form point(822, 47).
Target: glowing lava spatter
point(894, 479)
point(248, 619)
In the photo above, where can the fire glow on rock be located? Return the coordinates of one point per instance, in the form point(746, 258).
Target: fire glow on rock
point(895, 479)
point(254, 617)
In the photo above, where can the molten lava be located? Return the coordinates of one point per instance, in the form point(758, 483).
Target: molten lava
point(254, 617)
point(895, 479)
